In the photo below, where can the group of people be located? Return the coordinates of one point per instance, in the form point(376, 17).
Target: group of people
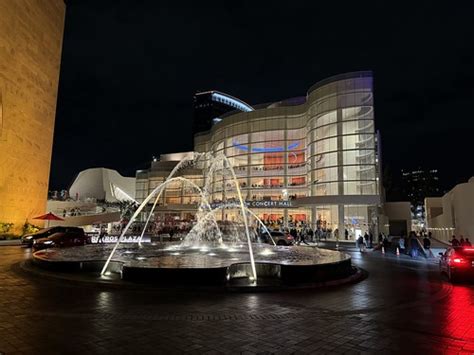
point(72, 212)
point(364, 242)
point(462, 242)
point(412, 246)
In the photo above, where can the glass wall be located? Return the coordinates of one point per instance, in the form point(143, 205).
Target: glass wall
point(325, 147)
point(342, 144)
point(270, 163)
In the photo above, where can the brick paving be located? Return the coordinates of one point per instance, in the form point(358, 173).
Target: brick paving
point(404, 306)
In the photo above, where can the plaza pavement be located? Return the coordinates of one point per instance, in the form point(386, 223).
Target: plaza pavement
point(404, 306)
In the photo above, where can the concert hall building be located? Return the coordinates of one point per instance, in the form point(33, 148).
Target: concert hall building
point(312, 159)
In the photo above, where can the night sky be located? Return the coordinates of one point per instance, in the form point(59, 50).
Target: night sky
point(130, 68)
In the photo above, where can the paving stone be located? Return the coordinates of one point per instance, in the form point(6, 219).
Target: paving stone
point(395, 310)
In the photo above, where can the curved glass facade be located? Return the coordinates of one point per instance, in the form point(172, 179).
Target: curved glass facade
point(320, 155)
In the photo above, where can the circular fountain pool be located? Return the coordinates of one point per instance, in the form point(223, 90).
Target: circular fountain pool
point(204, 265)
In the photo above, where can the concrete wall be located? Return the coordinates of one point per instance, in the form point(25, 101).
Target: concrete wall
point(31, 34)
point(457, 215)
point(398, 211)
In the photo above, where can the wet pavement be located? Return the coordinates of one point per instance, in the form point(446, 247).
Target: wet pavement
point(404, 306)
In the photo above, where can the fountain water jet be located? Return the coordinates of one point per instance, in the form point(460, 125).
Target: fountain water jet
point(204, 205)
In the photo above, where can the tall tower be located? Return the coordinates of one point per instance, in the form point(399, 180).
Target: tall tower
point(31, 34)
point(210, 105)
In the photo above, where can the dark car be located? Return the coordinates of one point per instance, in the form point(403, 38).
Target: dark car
point(28, 239)
point(280, 238)
point(62, 240)
point(458, 263)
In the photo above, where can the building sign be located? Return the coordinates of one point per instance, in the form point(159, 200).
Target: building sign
point(125, 239)
point(257, 204)
point(268, 204)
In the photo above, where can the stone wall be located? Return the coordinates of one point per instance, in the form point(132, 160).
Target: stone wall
point(31, 33)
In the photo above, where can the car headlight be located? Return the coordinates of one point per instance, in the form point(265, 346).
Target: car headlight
point(29, 238)
point(48, 242)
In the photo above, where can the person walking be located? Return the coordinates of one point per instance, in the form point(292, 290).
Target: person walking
point(455, 242)
point(467, 243)
point(414, 244)
point(427, 246)
point(360, 244)
point(101, 235)
point(366, 239)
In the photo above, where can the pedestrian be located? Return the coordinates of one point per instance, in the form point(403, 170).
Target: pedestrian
point(467, 243)
point(401, 245)
point(371, 240)
point(427, 246)
point(366, 238)
point(385, 241)
point(461, 241)
point(310, 235)
point(454, 242)
point(101, 235)
point(360, 244)
point(346, 234)
point(302, 238)
point(414, 244)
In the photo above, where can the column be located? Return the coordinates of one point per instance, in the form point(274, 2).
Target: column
point(340, 154)
point(340, 217)
point(314, 217)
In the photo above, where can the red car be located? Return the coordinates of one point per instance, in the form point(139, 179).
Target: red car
point(458, 263)
point(62, 240)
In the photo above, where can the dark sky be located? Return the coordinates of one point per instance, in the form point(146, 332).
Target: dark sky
point(130, 68)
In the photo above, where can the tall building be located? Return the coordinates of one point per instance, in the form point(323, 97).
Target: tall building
point(416, 186)
point(209, 106)
point(312, 160)
point(31, 34)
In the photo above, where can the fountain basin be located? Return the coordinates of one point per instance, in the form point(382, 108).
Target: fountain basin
point(169, 263)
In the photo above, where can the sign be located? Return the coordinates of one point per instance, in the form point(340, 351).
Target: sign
point(269, 204)
point(258, 204)
point(125, 239)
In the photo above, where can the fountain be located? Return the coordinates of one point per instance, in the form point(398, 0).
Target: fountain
point(208, 254)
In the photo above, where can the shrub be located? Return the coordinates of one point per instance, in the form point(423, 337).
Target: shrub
point(5, 227)
point(29, 228)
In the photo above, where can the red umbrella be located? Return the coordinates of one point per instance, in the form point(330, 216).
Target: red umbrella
point(49, 217)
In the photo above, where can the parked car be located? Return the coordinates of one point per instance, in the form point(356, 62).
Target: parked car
point(28, 239)
point(280, 238)
point(62, 240)
point(457, 263)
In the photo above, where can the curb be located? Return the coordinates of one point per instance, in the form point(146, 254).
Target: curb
point(28, 269)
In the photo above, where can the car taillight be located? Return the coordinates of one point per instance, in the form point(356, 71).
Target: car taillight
point(458, 261)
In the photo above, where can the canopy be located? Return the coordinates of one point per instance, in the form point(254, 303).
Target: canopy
point(50, 216)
